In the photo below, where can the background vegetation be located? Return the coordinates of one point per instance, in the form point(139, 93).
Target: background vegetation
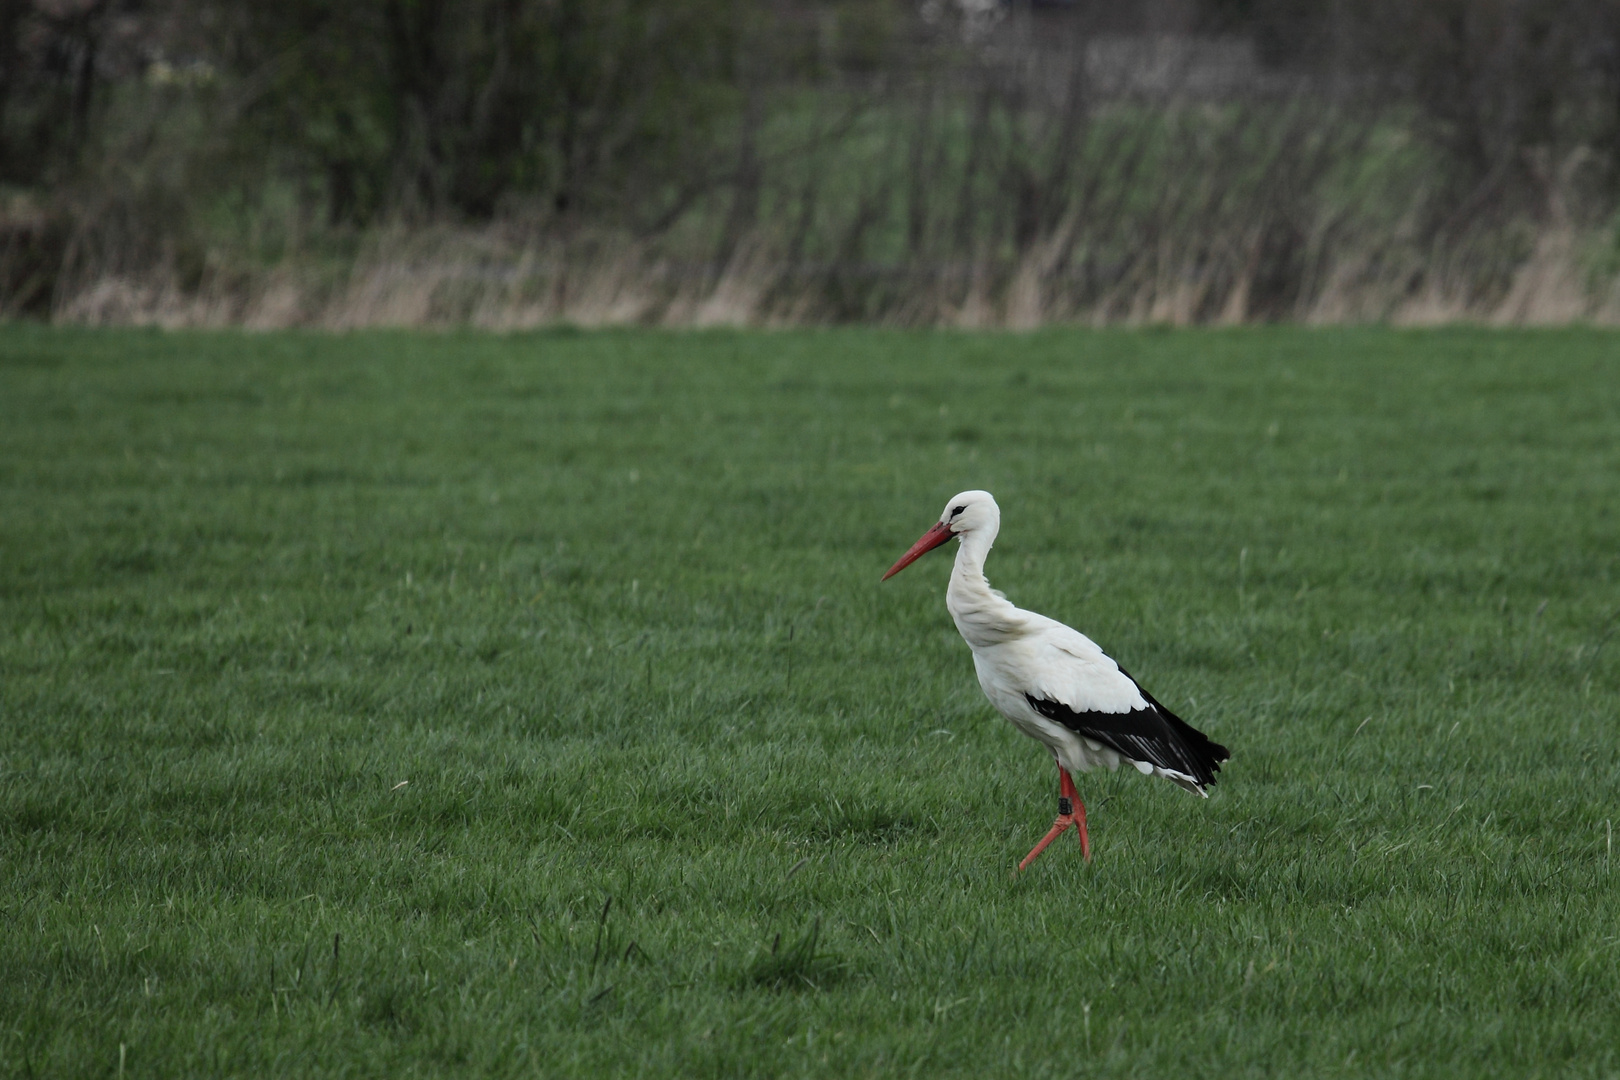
point(510, 162)
point(344, 680)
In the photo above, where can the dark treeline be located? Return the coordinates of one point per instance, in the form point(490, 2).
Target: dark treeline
point(907, 160)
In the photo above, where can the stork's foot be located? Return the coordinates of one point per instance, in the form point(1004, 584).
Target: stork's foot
point(1058, 826)
point(1071, 811)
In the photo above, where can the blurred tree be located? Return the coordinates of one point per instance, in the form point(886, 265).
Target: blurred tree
point(1501, 84)
point(48, 76)
point(432, 107)
point(169, 130)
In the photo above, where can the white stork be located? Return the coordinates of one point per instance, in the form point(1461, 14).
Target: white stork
point(1053, 682)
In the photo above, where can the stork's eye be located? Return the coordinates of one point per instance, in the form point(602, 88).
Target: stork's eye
point(957, 510)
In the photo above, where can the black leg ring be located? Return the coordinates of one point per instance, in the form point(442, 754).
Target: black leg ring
point(1065, 807)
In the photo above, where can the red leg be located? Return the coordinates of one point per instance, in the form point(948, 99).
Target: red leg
point(1071, 811)
point(1066, 786)
point(1057, 827)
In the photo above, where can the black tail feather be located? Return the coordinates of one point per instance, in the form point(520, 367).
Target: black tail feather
point(1205, 751)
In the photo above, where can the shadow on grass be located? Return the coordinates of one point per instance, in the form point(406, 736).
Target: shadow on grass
point(800, 965)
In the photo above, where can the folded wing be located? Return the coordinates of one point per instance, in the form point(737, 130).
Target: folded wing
point(1088, 693)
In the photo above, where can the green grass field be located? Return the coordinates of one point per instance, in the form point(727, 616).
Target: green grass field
point(344, 681)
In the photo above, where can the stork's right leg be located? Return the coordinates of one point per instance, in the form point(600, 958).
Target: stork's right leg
point(1066, 787)
point(1068, 801)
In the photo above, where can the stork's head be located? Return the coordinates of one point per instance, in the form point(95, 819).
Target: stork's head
point(965, 514)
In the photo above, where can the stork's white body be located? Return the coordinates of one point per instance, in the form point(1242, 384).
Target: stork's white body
point(1051, 681)
point(1019, 653)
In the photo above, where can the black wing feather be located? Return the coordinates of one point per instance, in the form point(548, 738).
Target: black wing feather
point(1154, 735)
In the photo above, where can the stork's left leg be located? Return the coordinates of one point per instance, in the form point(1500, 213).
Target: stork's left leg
point(1071, 811)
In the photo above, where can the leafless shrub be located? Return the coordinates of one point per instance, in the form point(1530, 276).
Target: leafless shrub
point(706, 161)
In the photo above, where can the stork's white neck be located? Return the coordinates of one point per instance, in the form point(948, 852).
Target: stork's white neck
point(982, 615)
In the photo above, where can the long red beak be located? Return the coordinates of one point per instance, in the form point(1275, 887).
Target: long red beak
point(926, 543)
